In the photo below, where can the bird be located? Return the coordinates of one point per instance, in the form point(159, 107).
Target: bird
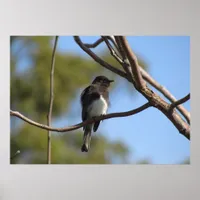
point(95, 102)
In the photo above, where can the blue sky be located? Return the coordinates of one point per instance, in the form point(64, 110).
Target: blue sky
point(148, 134)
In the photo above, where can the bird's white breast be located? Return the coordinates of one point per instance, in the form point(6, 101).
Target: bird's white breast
point(98, 107)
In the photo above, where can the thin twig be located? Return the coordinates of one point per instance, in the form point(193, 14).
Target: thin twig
point(112, 51)
point(180, 101)
point(124, 61)
point(99, 41)
point(112, 39)
point(140, 83)
point(125, 64)
point(98, 59)
point(51, 101)
point(165, 92)
point(77, 126)
point(95, 44)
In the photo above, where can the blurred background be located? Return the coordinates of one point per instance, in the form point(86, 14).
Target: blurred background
point(146, 138)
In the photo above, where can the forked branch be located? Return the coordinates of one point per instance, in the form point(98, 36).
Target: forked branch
point(154, 99)
point(125, 64)
point(98, 59)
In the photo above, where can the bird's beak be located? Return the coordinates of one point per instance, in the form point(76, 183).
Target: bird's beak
point(111, 81)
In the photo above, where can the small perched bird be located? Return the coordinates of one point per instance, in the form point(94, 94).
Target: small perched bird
point(95, 102)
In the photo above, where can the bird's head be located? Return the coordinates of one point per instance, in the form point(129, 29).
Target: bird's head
point(102, 80)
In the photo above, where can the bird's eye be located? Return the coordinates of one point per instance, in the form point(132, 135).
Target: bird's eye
point(104, 80)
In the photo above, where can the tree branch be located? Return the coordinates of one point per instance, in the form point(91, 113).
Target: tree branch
point(150, 80)
point(112, 39)
point(124, 61)
point(166, 93)
point(128, 74)
point(99, 41)
point(98, 59)
point(51, 101)
point(152, 97)
point(120, 48)
point(95, 44)
point(140, 83)
point(180, 101)
point(77, 126)
point(112, 51)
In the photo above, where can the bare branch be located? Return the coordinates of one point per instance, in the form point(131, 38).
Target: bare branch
point(149, 79)
point(98, 42)
point(51, 100)
point(133, 62)
point(98, 59)
point(163, 106)
point(112, 51)
point(180, 101)
point(152, 97)
point(120, 47)
point(112, 39)
point(166, 93)
point(95, 44)
point(125, 64)
point(77, 126)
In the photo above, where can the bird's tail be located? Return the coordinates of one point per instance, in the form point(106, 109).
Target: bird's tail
point(86, 139)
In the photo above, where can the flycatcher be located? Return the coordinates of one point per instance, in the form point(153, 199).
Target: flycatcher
point(94, 102)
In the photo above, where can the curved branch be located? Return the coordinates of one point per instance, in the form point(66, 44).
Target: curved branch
point(98, 42)
point(98, 59)
point(112, 51)
point(165, 92)
point(151, 96)
point(77, 126)
point(180, 101)
point(125, 64)
point(112, 39)
point(95, 44)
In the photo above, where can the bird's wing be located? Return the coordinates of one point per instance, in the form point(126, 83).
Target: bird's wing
point(89, 94)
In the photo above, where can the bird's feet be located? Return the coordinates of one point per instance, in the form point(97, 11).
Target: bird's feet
point(102, 115)
point(94, 118)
